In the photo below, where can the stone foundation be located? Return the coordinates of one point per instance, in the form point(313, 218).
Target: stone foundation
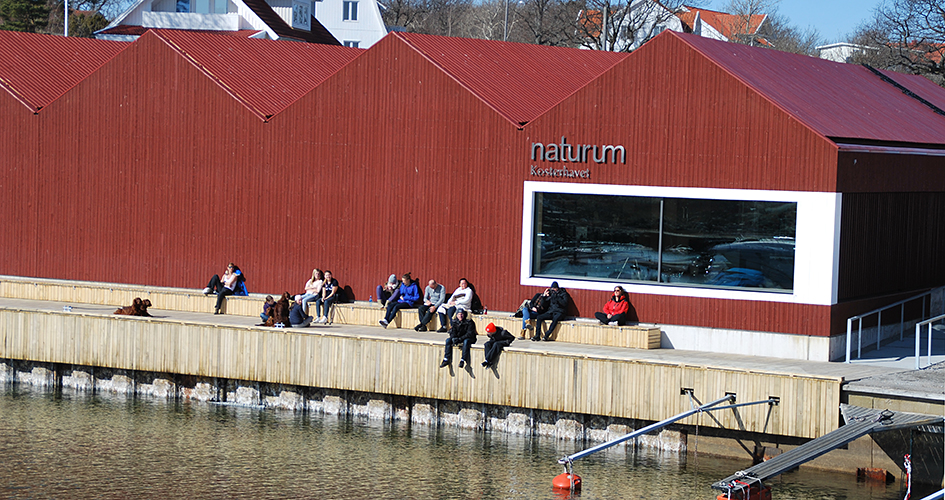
point(474, 416)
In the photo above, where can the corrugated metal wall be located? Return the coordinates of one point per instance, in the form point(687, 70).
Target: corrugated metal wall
point(694, 125)
point(891, 243)
point(147, 172)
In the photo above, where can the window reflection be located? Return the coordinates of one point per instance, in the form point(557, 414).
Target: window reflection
point(714, 243)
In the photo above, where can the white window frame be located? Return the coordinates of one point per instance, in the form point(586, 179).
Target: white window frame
point(349, 10)
point(816, 251)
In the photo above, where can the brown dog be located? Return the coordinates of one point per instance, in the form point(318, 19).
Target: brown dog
point(138, 307)
point(131, 310)
point(143, 311)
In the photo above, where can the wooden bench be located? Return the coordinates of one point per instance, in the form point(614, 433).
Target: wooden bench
point(579, 331)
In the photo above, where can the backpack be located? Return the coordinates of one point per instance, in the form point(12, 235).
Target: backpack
point(240, 284)
point(475, 306)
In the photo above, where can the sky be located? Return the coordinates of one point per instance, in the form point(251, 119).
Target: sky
point(834, 19)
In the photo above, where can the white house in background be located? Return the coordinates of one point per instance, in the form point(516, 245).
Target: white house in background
point(354, 23)
point(644, 19)
point(842, 52)
point(720, 25)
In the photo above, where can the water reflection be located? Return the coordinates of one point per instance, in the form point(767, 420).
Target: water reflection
point(74, 445)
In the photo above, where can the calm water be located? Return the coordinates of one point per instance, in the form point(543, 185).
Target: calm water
point(75, 445)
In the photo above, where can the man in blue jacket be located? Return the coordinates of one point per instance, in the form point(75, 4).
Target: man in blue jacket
point(408, 295)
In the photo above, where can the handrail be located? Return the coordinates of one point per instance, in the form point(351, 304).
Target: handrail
point(651, 427)
point(936, 496)
point(918, 335)
point(879, 323)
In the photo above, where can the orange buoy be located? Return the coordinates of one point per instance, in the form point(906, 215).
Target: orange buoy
point(563, 481)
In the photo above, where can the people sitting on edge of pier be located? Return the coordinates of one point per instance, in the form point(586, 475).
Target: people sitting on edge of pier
point(499, 338)
point(530, 309)
point(407, 295)
point(615, 310)
point(462, 331)
point(461, 299)
point(558, 300)
point(233, 282)
point(331, 294)
point(267, 309)
point(433, 297)
point(385, 290)
point(313, 288)
point(297, 316)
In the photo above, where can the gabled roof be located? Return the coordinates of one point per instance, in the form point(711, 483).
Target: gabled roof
point(265, 75)
point(519, 81)
point(260, 8)
point(839, 101)
point(318, 34)
point(36, 69)
point(126, 29)
point(729, 25)
point(921, 86)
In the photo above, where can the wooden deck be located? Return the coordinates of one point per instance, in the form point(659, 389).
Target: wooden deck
point(581, 331)
point(557, 376)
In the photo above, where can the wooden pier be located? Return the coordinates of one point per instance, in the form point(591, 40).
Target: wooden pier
point(567, 377)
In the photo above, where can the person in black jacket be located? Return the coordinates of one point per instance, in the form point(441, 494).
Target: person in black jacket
point(462, 331)
point(297, 316)
point(558, 299)
point(499, 338)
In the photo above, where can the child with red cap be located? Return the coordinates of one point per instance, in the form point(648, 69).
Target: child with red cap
point(499, 338)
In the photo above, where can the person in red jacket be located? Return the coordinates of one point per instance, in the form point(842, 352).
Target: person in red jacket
point(615, 310)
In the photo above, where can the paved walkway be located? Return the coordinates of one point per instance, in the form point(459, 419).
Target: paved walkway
point(901, 353)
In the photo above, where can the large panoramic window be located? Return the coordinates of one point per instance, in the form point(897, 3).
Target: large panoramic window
point(678, 241)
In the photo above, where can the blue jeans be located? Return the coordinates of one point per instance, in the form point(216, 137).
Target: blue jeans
point(450, 342)
point(323, 305)
point(306, 300)
point(527, 315)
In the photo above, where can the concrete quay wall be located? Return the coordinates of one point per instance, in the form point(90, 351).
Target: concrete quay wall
point(422, 411)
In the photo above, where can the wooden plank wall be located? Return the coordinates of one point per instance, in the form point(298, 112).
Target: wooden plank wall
point(583, 384)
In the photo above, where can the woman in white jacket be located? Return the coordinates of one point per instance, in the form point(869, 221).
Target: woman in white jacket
point(461, 299)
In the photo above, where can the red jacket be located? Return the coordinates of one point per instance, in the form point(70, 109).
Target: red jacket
point(613, 307)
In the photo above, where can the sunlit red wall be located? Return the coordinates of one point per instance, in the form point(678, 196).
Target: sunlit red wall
point(148, 172)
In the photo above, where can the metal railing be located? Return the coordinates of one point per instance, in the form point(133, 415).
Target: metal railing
point(713, 406)
point(879, 322)
point(936, 496)
point(918, 339)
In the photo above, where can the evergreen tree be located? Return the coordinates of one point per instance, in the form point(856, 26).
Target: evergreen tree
point(24, 15)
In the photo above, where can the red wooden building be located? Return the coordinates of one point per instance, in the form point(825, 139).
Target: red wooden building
point(749, 200)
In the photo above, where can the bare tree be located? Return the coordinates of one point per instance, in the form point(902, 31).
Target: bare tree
point(447, 17)
point(778, 33)
point(486, 20)
point(746, 20)
point(758, 22)
point(624, 25)
point(906, 36)
point(548, 22)
point(406, 14)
